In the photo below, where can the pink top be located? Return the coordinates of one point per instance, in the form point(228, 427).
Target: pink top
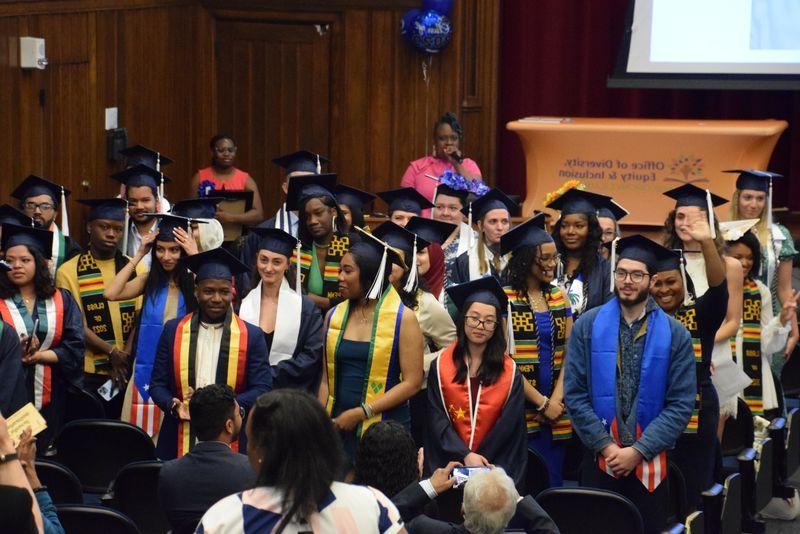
point(236, 182)
point(417, 169)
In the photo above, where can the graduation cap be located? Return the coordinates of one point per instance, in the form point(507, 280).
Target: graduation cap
point(638, 248)
point(408, 242)
point(492, 200)
point(672, 260)
point(757, 181)
point(531, 233)
point(275, 240)
point(114, 209)
point(169, 222)
point(214, 264)
point(430, 230)
point(578, 201)
point(302, 160)
point(36, 185)
point(141, 175)
point(691, 195)
point(734, 230)
point(10, 214)
point(612, 211)
point(141, 155)
point(405, 199)
point(309, 186)
point(38, 238)
point(380, 251)
point(444, 189)
point(197, 208)
point(352, 196)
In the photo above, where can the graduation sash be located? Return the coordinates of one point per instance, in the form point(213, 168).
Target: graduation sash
point(526, 341)
point(96, 309)
point(687, 316)
point(231, 365)
point(330, 275)
point(652, 382)
point(287, 319)
point(58, 251)
point(51, 325)
point(751, 346)
point(472, 425)
point(383, 365)
point(144, 412)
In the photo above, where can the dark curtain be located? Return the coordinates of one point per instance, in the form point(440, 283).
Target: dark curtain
point(555, 56)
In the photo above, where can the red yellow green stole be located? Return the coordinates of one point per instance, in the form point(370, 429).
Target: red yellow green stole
point(230, 367)
point(751, 345)
point(687, 316)
point(330, 275)
point(383, 347)
point(526, 341)
point(51, 325)
point(472, 424)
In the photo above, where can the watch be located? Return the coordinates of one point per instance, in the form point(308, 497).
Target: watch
point(8, 457)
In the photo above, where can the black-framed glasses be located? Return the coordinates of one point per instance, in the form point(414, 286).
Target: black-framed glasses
point(486, 324)
point(42, 206)
point(549, 259)
point(636, 276)
point(225, 149)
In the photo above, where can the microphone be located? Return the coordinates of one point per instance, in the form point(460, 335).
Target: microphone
point(458, 156)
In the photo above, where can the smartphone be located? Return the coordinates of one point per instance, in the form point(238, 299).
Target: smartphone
point(33, 333)
point(462, 474)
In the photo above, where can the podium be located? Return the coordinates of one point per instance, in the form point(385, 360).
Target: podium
point(635, 160)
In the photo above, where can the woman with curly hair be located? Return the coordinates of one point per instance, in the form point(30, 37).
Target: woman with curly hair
point(387, 458)
point(541, 320)
point(47, 320)
point(577, 236)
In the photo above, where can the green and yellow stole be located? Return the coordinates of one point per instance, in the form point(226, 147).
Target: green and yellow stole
point(687, 316)
point(526, 341)
point(751, 345)
point(96, 309)
point(330, 275)
point(231, 365)
point(383, 350)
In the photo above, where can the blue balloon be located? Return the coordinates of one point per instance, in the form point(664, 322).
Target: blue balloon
point(442, 6)
point(431, 32)
point(408, 21)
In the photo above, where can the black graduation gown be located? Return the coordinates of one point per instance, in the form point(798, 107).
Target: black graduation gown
point(13, 395)
point(597, 285)
point(460, 272)
point(505, 445)
point(304, 369)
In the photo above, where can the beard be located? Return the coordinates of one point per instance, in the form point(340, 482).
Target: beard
point(636, 298)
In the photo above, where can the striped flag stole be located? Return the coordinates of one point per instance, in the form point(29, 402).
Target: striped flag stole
point(687, 316)
point(331, 272)
point(751, 346)
point(305, 259)
point(144, 413)
point(649, 472)
point(90, 283)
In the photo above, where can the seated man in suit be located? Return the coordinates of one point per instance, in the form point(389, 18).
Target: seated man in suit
point(188, 486)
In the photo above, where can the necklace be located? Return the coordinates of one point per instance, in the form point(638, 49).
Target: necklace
point(536, 300)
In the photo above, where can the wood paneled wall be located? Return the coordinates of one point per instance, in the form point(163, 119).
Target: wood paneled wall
point(156, 61)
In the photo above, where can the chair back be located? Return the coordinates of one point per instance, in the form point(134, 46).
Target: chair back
point(678, 500)
point(764, 475)
point(97, 449)
point(134, 494)
point(790, 375)
point(82, 405)
point(590, 511)
point(739, 433)
point(793, 442)
point(695, 523)
point(732, 507)
point(62, 484)
point(537, 478)
point(89, 519)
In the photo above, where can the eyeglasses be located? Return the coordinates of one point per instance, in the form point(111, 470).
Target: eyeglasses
point(485, 324)
point(43, 206)
point(549, 259)
point(635, 276)
point(451, 209)
point(225, 149)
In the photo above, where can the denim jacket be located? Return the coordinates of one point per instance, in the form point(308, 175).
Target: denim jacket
point(665, 429)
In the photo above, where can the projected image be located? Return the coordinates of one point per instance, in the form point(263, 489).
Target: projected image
point(774, 25)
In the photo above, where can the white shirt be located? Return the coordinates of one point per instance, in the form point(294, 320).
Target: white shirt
point(209, 338)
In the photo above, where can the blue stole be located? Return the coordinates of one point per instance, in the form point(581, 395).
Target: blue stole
point(151, 324)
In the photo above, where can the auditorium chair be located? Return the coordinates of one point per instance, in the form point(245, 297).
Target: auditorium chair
point(790, 375)
point(739, 433)
point(780, 468)
point(678, 500)
point(88, 519)
point(590, 511)
point(62, 484)
point(753, 486)
point(82, 405)
point(712, 507)
point(696, 523)
point(133, 492)
point(97, 449)
point(793, 443)
point(537, 478)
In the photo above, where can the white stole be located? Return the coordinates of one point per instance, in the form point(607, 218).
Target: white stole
point(465, 237)
point(474, 264)
point(287, 319)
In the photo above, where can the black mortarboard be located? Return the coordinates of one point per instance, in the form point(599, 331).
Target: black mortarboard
point(754, 179)
point(275, 240)
point(41, 240)
point(10, 214)
point(197, 208)
point(691, 195)
point(141, 175)
point(486, 290)
point(168, 222)
point(531, 233)
point(369, 246)
point(141, 155)
point(639, 248)
point(351, 196)
point(612, 210)
point(430, 230)
point(443, 189)
point(400, 238)
point(35, 185)
point(113, 209)
point(309, 186)
point(214, 264)
point(405, 199)
point(578, 201)
point(492, 200)
point(302, 160)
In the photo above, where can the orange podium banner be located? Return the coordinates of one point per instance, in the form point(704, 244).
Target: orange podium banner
point(635, 160)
